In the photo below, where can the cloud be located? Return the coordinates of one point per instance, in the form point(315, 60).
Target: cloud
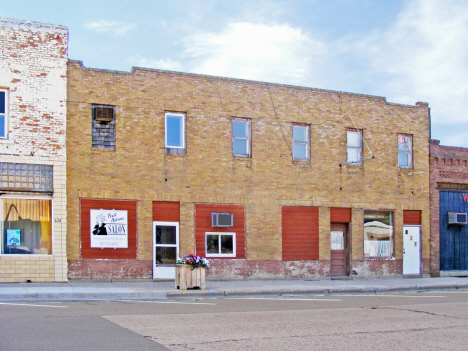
point(164, 64)
point(115, 27)
point(423, 56)
point(274, 53)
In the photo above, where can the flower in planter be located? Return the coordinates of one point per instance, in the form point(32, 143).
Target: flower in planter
point(194, 261)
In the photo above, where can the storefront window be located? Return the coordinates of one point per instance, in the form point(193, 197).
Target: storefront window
point(378, 234)
point(26, 226)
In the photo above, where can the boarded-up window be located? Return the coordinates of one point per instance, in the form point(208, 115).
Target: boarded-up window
point(87, 252)
point(300, 227)
point(411, 217)
point(203, 226)
point(166, 211)
point(340, 215)
point(103, 127)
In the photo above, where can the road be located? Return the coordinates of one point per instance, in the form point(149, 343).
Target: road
point(430, 321)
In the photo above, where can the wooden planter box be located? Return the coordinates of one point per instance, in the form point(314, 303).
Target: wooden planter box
point(186, 278)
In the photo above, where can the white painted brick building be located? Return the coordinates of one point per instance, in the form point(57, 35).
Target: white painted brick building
point(33, 74)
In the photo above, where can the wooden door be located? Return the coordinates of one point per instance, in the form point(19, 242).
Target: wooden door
point(338, 248)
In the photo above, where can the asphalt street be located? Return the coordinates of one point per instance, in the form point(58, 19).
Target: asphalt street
point(411, 321)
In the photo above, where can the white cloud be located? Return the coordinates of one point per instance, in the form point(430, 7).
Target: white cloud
point(424, 56)
point(164, 64)
point(115, 27)
point(274, 53)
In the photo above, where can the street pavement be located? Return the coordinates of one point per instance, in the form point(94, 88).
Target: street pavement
point(80, 290)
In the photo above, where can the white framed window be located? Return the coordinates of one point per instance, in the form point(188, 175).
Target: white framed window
point(301, 142)
point(405, 151)
point(3, 113)
point(241, 137)
point(220, 244)
point(378, 233)
point(175, 132)
point(26, 225)
point(354, 147)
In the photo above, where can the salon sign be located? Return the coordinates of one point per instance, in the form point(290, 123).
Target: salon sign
point(109, 228)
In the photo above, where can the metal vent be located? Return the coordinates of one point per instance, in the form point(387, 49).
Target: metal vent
point(222, 219)
point(457, 218)
point(103, 114)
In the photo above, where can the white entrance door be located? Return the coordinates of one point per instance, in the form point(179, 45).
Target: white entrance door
point(165, 249)
point(411, 249)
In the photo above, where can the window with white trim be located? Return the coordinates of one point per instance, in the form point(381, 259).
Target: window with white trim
point(354, 147)
point(175, 132)
point(405, 151)
point(3, 113)
point(26, 225)
point(241, 140)
point(301, 143)
point(220, 244)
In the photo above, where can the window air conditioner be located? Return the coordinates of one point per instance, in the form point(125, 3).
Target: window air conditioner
point(222, 219)
point(457, 218)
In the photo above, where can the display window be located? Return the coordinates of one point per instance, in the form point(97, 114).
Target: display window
point(26, 226)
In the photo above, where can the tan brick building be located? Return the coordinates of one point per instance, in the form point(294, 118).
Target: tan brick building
point(449, 195)
point(33, 69)
point(266, 180)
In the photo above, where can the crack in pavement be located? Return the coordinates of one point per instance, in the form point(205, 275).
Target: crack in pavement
point(417, 311)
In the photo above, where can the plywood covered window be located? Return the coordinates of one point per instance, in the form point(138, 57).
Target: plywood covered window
point(219, 242)
point(300, 233)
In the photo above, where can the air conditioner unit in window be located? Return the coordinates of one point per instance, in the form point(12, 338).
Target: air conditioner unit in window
point(222, 219)
point(457, 218)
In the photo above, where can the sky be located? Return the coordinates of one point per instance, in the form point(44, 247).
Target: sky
point(404, 50)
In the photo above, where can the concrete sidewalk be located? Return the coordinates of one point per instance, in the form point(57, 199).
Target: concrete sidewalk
point(162, 290)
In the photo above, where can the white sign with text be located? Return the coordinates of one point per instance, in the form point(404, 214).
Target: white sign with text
point(109, 228)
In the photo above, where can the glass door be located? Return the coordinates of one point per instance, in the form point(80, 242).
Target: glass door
point(165, 250)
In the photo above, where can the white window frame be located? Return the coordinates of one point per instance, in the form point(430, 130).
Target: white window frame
point(26, 197)
point(247, 139)
point(306, 143)
point(409, 153)
point(6, 114)
point(358, 148)
point(219, 254)
point(182, 132)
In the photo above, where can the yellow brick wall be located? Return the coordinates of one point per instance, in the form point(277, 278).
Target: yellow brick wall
point(139, 169)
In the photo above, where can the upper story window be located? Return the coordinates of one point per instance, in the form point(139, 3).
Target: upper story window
point(241, 140)
point(103, 127)
point(405, 151)
point(175, 132)
point(354, 147)
point(301, 143)
point(3, 113)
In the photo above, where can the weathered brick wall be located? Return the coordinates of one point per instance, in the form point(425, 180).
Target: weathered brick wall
point(449, 166)
point(139, 169)
point(33, 70)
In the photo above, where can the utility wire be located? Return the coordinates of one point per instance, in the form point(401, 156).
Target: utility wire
point(276, 115)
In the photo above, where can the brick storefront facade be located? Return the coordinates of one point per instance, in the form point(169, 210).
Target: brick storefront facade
point(449, 189)
point(33, 59)
point(141, 170)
